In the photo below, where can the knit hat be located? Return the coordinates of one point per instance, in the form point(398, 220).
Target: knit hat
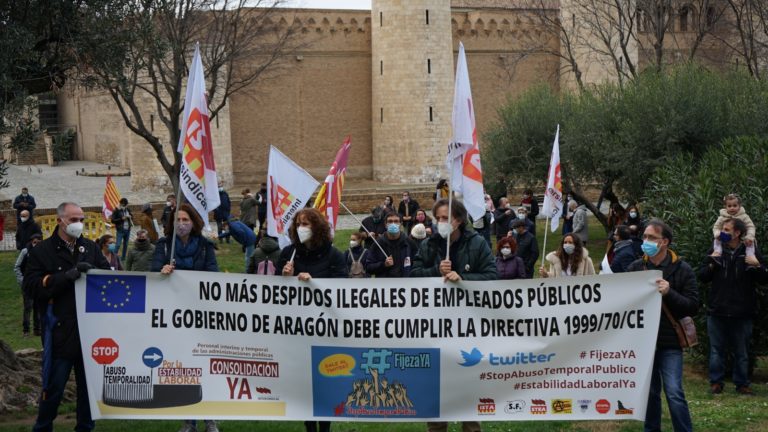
point(418, 231)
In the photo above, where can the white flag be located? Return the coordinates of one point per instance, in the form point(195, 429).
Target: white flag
point(289, 189)
point(553, 195)
point(197, 176)
point(463, 150)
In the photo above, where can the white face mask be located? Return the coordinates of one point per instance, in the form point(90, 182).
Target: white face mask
point(304, 233)
point(167, 203)
point(24, 219)
point(444, 229)
point(506, 251)
point(353, 244)
point(569, 248)
point(633, 214)
point(74, 229)
point(521, 216)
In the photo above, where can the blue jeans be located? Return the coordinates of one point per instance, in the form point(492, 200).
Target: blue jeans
point(220, 230)
point(668, 371)
point(248, 252)
point(122, 237)
point(725, 333)
point(48, 408)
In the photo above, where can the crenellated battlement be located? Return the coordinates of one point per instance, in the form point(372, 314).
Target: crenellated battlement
point(325, 21)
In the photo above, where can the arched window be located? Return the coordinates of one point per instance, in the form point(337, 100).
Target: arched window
point(685, 15)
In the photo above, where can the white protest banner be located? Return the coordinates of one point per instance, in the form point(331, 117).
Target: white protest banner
point(289, 188)
point(236, 346)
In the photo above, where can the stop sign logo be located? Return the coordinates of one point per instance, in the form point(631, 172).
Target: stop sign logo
point(602, 406)
point(105, 351)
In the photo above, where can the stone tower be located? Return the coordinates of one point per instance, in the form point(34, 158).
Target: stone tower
point(412, 86)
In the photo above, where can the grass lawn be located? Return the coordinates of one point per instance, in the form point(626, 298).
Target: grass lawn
point(710, 413)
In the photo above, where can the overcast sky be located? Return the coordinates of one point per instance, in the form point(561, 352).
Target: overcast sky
point(331, 4)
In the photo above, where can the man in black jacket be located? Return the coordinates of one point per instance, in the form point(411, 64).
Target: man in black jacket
point(407, 210)
point(680, 294)
point(527, 247)
point(26, 228)
point(731, 306)
point(399, 249)
point(502, 216)
point(374, 225)
point(52, 269)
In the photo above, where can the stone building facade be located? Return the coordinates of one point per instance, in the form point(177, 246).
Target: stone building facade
point(384, 77)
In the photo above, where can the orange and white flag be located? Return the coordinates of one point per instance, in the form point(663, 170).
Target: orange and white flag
point(197, 176)
point(463, 150)
point(553, 195)
point(329, 197)
point(111, 198)
point(289, 189)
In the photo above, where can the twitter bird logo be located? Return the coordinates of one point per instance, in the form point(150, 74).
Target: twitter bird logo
point(471, 358)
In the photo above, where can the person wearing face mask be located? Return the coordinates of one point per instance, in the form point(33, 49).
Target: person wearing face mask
point(22, 202)
point(635, 218)
point(221, 213)
point(680, 296)
point(521, 214)
point(397, 258)
point(25, 229)
point(425, 220)
point(311, 255)
point(570, 259)
point(580, 224)
point(732, 305)
point(140, 256)
point(527, 247)
point(508, 264)
point(482, 225)
point(53, 267)
point(122, 219)
point(193, 251)
point(109, 249)
point(248, 209)
point(469, 258)
point(375, 225)
point(19, 268)
point(387, 205)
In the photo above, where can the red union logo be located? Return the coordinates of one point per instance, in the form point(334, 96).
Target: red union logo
point(487, 406)
point(538, 406)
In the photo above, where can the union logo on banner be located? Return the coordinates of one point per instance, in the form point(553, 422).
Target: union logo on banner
point(281, 202)
point(197, 138)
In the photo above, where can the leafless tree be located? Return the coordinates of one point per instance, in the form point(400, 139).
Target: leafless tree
point(749, 27)
point(142, 60)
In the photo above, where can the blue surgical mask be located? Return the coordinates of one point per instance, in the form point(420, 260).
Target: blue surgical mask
point(112, 247)
point(393, 228)
point(725, 237)
point(650, 248)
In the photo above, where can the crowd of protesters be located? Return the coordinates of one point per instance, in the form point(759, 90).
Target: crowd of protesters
point(397, 241)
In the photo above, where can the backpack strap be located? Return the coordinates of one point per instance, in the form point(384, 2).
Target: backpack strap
point(361, 256)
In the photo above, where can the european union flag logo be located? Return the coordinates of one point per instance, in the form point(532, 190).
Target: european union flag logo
point(115, 293)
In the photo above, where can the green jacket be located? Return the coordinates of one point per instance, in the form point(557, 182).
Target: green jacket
point(470, 257)
point(140, 258)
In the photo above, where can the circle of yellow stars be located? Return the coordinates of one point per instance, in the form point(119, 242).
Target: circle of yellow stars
point(118, 284)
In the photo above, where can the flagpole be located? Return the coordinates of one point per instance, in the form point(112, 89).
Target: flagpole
point(544, 246)
point(172, 260)
point(450, 205)
point(370, 234)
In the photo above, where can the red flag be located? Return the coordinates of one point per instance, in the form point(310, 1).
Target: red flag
point(111, 198)
point(329, 197)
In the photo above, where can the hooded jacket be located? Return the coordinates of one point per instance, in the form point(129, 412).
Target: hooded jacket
point(268, 249)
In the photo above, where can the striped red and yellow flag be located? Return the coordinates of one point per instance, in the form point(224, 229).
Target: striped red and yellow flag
point(328, 198)
point(111, 198)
